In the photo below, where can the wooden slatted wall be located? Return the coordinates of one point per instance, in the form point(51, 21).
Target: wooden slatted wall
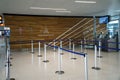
point(25, 28)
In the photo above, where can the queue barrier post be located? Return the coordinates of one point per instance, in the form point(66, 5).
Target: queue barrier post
point(81, 46)
point(99, 50)
point(45, 54)
point(61, 52)
point(86, 66)
point(85, 46)
point(59, 63)
point(32, 47)
point(54, 45)
point(39, 54)
point(70, 47)
point(69, 44)
point(60, 60)
point(95, 59)
point(73, 55)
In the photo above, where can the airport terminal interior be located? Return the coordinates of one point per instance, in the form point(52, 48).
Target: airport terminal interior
point(60, 40)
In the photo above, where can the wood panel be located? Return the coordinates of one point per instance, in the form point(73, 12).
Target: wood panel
point(86, 30)
point(25, 28)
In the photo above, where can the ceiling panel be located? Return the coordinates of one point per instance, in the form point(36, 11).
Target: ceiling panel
point(101, 7)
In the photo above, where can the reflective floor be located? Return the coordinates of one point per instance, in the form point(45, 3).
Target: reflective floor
point(28, 66)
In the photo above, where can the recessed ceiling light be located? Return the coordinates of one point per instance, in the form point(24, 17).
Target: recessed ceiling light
point(47, 8)
point(77, 1)
point(64, 11)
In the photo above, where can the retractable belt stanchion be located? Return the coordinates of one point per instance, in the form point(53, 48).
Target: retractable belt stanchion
point(54, 45)
point(61, 52)
point(95, 59)
point(99, 50)
point(45, 54)
point(69, 47)
point(32, 58)
point(85, 46)
point(32, 49)
point(73, 55)
point(86, 66)
point(59, 63)
point(39, 55)
point(78, 53)
point(69, 44)
point(81, 46)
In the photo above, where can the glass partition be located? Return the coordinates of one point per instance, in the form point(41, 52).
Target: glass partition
point(2, 59)
point(113, 26)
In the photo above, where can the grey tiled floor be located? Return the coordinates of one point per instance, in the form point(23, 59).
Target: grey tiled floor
point(27, 66)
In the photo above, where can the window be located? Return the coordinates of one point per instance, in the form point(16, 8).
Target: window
point(113, 26)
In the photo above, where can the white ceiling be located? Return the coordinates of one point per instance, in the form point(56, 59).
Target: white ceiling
point(100, 8)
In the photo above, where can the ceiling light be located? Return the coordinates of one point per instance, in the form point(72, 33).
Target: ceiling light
point(85, 1)
point(47, 8)
point(64, 11)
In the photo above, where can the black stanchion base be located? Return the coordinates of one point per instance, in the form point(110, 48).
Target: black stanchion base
point(99, 56)
point(74, 58)
point(61, 53)
point(59, 72)
point(39, 55)
point(11, 58)
point(12, 78)
point(96, 68)
point(46, 61)
point(10, 64)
